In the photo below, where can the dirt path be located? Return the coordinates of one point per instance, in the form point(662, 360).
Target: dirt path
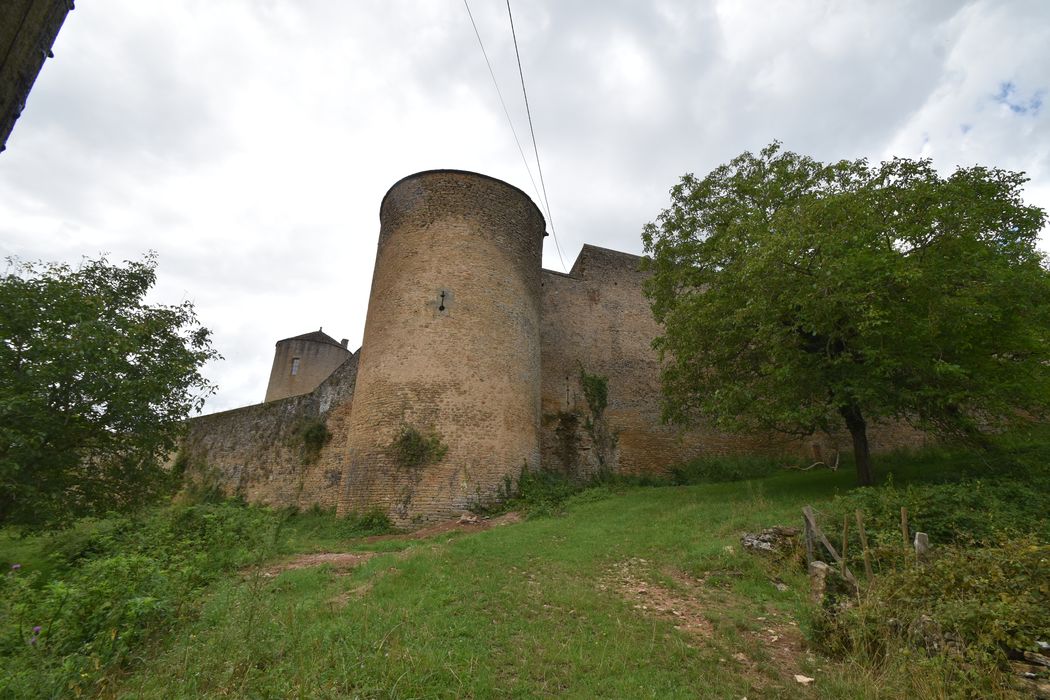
point(462, 524)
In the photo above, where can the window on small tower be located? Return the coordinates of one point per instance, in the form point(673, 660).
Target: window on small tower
point(295, 366)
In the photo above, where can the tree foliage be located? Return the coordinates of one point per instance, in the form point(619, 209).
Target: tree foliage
point(94, 386)
point(800, 296)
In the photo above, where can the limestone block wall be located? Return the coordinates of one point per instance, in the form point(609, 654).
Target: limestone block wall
point(451, 346)
point(257, 451)
point(596, 318)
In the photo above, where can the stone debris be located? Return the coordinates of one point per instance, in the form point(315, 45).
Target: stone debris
point(803, 680)
point(772, 540)
point(468, 519)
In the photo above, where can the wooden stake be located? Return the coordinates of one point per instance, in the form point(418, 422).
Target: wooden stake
point(810, 549)
point(811, 523)
point(864, 544)
point(845, 542)
point(904, 527)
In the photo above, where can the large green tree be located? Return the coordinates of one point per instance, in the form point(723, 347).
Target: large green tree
point(800, 296)
point(94, 386)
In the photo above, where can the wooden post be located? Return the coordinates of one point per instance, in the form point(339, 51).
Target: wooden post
point(811, 523)
point(864, 545)
point(904, 527)
point(807, 532)
point(845, 542)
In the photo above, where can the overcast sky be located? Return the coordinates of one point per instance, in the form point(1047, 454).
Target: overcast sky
point(249, 142)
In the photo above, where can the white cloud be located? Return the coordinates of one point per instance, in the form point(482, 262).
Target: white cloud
point(250, 142)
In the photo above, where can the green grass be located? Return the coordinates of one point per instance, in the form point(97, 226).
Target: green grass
point(531, 609)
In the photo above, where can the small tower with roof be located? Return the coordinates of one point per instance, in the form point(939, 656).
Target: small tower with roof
point(301, 363)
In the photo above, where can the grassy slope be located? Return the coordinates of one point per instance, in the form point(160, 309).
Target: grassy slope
point(538, 608)
point(520, 611)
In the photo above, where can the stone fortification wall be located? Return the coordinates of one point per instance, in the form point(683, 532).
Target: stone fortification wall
point(597, 319)
point(259, 452)
point(451, 346)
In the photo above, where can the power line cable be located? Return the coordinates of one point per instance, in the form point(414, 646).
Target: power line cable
point(502, 102)
point(535, 149)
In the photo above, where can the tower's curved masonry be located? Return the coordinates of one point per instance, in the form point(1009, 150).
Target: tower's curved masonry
point(301, 363)
point(451, 346)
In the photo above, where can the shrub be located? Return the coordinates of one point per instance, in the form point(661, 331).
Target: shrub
point(970, 511)
point(976, 604)
point(115, 584)
point(413, 449)
point(719, 469)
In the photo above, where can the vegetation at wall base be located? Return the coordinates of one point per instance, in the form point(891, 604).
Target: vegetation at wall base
point(616, 590)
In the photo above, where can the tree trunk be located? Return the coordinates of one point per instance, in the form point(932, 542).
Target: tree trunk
point(858, 430)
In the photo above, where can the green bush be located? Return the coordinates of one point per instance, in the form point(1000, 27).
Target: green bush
point(317, 523)
point(112, 585)
point(718, 469)
point(970, 511)
point(413, 449)
point(973, 604)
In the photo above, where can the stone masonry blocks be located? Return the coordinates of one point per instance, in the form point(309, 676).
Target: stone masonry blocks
point(451, 346)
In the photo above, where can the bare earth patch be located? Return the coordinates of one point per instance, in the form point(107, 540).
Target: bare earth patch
point(344, 561)
point(783, 649)
point(781, 643)
point(687, 611)
point(339, 561)
point(462, 524)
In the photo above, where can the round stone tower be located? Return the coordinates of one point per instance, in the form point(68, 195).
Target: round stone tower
point(301, 363)
point(447, 401)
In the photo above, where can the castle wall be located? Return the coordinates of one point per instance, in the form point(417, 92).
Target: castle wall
point(257, 452)
point(316, 361)
point(597, 319)
point(467, 340)
point(451, 346)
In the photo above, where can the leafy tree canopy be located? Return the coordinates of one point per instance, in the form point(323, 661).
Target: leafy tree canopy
point(800, 296)
point(94, 386)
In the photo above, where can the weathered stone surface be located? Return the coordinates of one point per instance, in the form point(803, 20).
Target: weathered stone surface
point(254, 452)
point(818, 581)
point(772, 540)
point(301, 363)
point(451, 346)
point(468, 339)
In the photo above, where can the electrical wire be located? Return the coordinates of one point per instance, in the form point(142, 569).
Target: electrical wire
point(535, 149)
point(502, 102)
